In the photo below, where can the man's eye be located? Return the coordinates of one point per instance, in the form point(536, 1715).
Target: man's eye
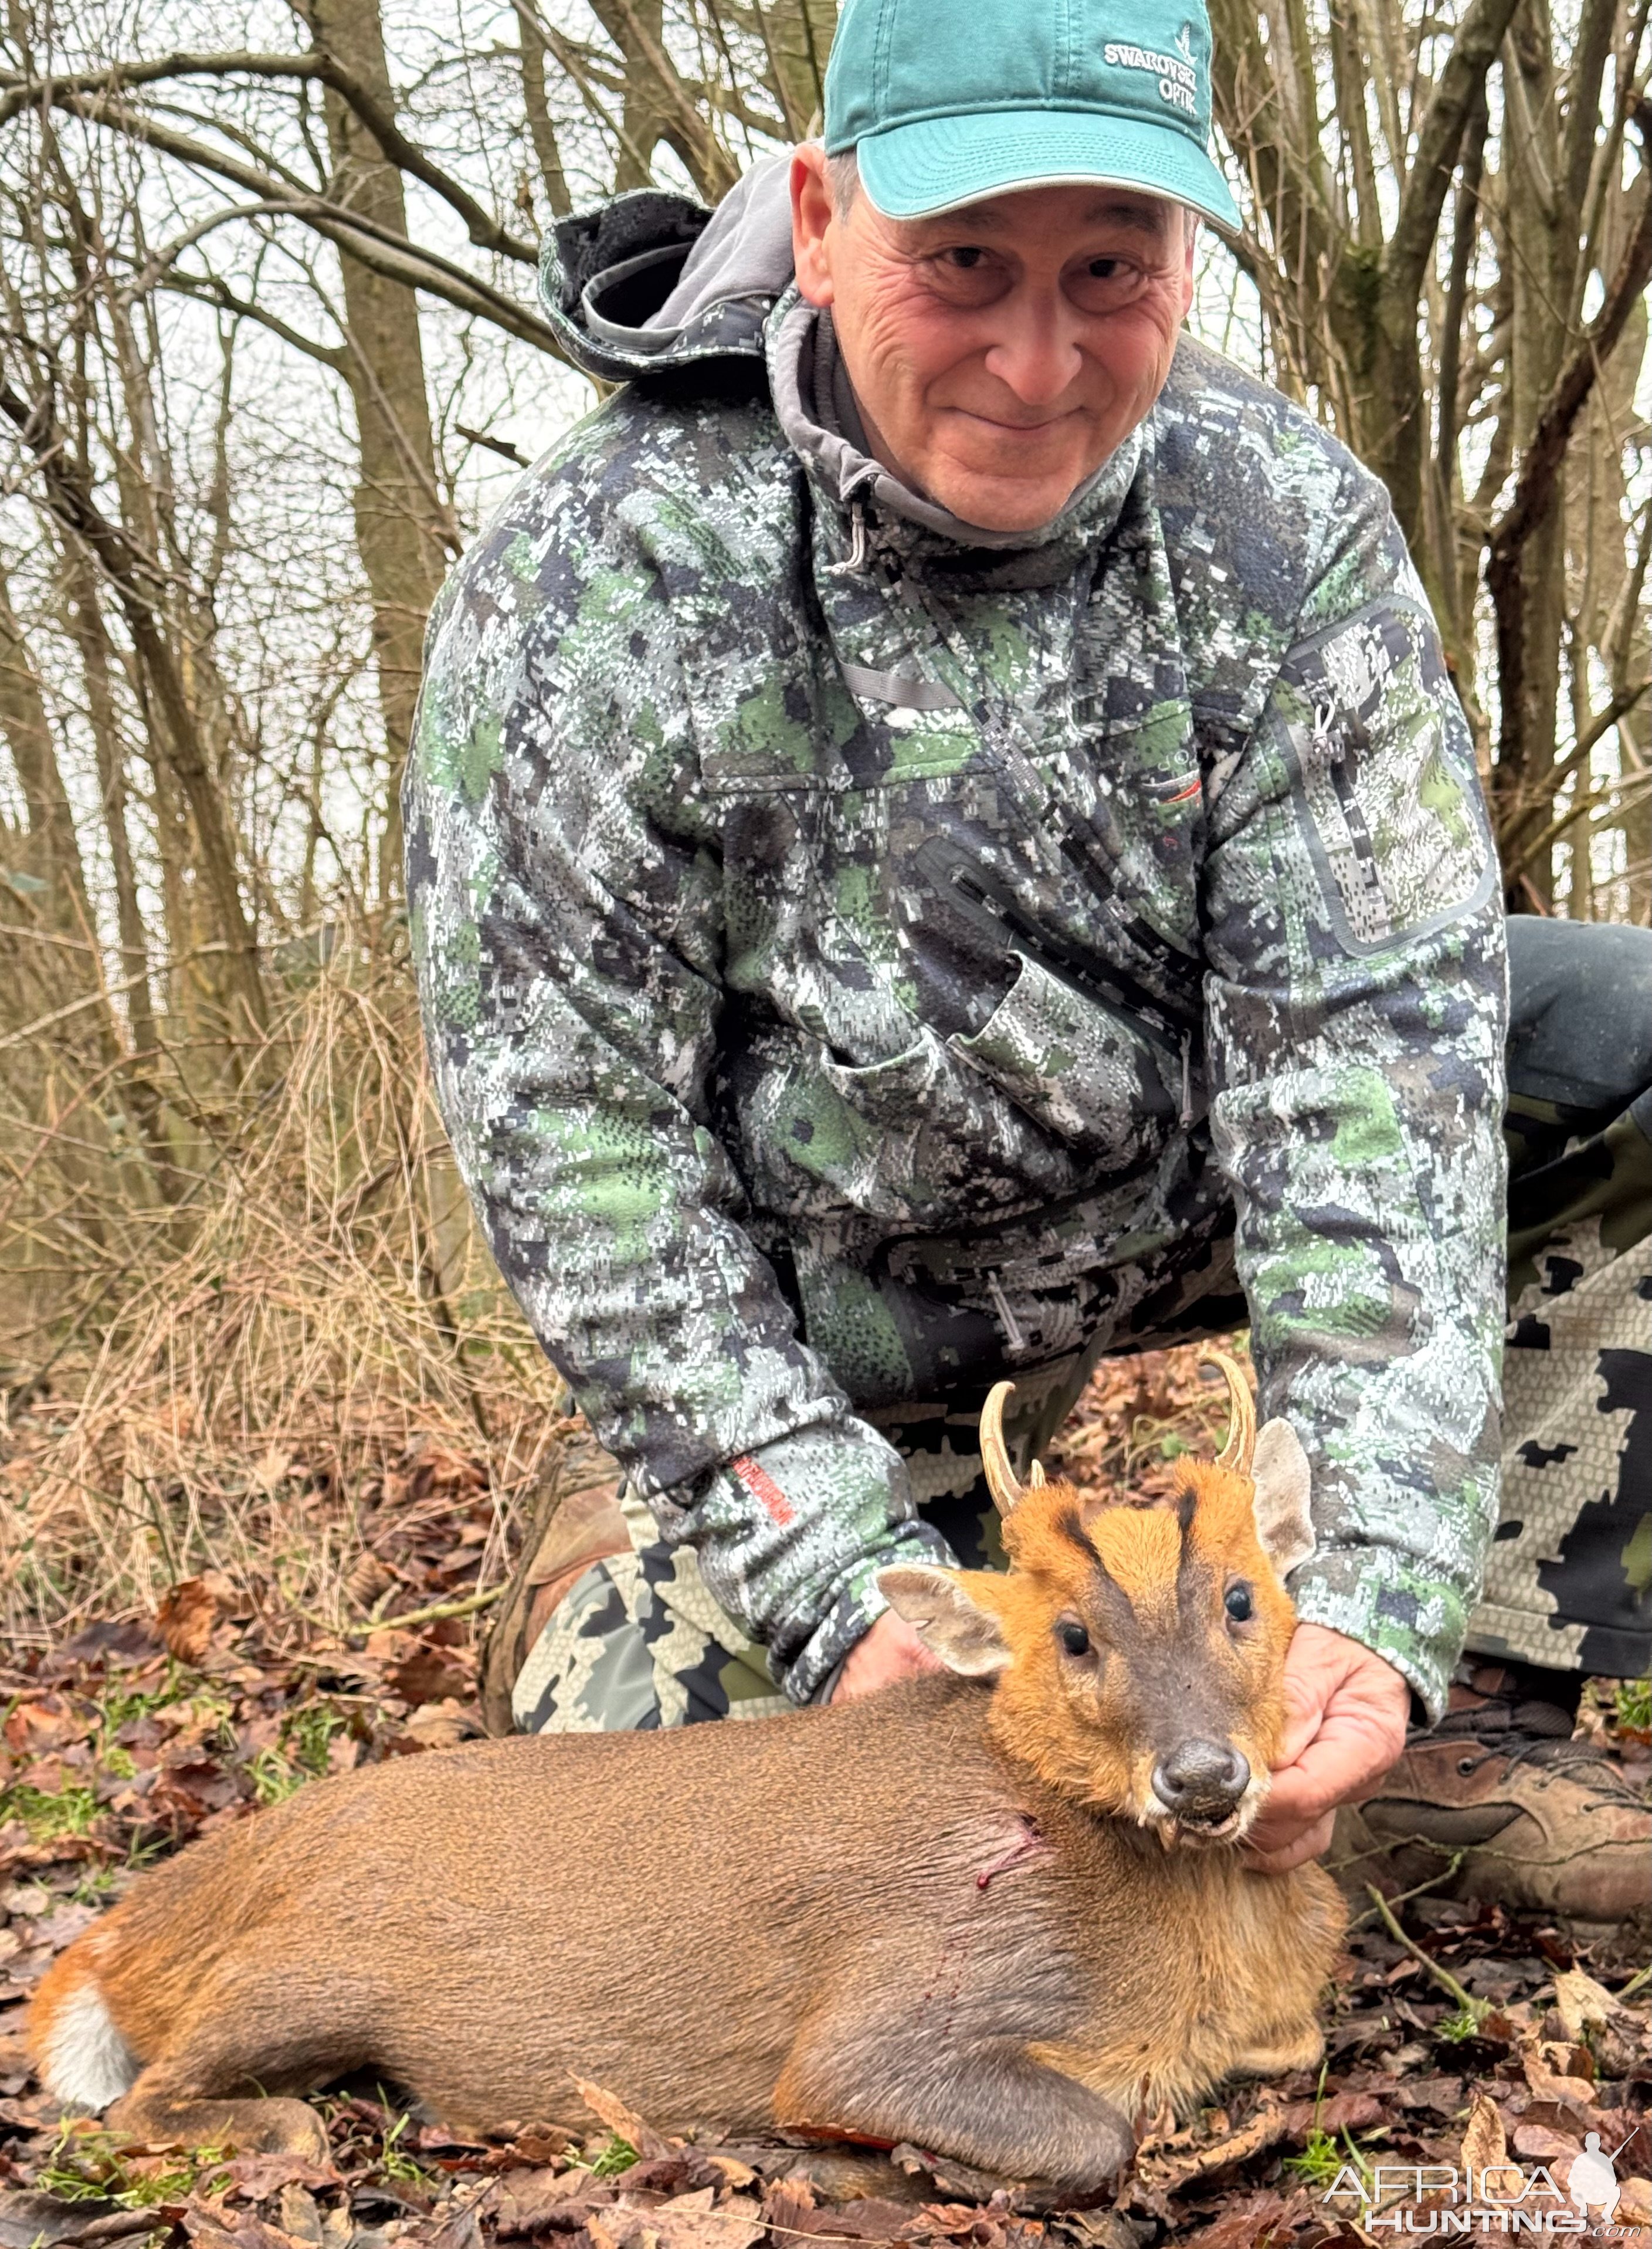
point(965, 259)
point(1107, 285)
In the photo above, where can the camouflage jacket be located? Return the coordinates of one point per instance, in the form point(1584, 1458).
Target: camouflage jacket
point(853, 948)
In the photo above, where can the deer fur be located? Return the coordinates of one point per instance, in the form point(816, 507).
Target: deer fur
point(957, 1913)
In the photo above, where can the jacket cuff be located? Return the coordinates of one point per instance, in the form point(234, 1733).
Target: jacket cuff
point(790, 1536)
point(1378, 1596)
point(855, 1607)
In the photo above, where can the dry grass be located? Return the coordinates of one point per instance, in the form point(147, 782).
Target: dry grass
point(321, 1316)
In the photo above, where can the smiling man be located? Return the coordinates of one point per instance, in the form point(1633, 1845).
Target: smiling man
point(940, 845)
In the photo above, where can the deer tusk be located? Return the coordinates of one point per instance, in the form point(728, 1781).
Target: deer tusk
point(1000, 1477)
point(1240, 1448)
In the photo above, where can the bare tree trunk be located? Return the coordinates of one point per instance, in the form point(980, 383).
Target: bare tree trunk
point(54, 850)
point(400, 530)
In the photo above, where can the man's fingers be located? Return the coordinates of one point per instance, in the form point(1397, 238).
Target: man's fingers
point(1303, 1709)
point(1294, 1850)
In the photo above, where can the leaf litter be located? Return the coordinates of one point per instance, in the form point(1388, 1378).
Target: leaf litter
point(138, 1734)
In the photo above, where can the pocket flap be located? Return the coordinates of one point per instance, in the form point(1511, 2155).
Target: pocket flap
point(1081, 1068)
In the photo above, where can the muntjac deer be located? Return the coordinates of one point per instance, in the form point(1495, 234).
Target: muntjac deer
point(996, 1911)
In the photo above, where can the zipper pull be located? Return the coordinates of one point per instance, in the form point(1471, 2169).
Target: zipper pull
point(856, 567)
point(1007, 1320)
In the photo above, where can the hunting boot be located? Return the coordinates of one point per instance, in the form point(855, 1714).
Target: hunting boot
point(1501, 1801)
point(575, 1521)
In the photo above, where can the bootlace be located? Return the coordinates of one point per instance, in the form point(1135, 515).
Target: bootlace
point(1521, 1731)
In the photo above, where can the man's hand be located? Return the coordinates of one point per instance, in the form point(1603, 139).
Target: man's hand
point(889, 1651)
point(1346, 1713)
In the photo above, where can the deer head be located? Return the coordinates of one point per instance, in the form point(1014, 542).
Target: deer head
point(1135, 1647)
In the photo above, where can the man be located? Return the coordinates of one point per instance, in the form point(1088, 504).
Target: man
point(941, 844)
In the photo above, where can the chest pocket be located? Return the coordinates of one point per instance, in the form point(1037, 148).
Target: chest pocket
point(1081, 1069)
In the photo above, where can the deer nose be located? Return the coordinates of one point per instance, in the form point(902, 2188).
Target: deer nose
point(1204, 1778)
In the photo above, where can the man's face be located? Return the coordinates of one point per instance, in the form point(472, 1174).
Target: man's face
point(1000, 354)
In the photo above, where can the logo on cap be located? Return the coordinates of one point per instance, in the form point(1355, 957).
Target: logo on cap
point(1185, 43)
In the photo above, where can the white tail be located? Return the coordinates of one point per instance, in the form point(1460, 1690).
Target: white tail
point(84, 2060)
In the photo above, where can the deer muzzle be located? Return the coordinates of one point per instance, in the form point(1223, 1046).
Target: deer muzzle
point(1202, 1784)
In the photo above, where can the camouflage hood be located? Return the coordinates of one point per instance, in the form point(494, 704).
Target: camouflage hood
point(655, 287)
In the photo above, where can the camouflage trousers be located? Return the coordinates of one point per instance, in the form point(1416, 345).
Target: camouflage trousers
point(639, 1641)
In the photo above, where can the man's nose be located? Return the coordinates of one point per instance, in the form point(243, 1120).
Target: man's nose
point(1036, 354)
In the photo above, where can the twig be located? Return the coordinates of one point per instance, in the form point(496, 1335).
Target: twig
point(1448, 1983)
point(438, 1612)
point(1405, 1895)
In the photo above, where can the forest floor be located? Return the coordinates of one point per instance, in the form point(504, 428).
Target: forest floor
point(1457, 2034)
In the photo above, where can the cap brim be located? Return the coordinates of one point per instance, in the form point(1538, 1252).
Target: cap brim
point(940, 163)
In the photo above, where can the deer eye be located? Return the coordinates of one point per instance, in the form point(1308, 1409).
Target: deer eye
point(1237, 1603)
point(1073, 1637)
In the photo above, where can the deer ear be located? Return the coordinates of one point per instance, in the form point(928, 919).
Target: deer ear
point(935, 1603)
point(1283, 1523)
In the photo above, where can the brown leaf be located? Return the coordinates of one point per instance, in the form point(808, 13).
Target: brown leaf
point(1539, 2145)
point(864, 2221)
point(1442, 2094)
point(609, 2109)
point(691, 2221)
point(1483, 2140)
point(185, 1619)
point(1580, 2001)
point(789, 2203)
point(1634, 2203)
point(253, 2178)
point(1349, 2112)
point(529, 2201)
point(1173, 2169)
point(27, 2219)
point(1547, 2083)
point(428, 1674)
point(1243, 2224)
point(442, 1725)
point(38, 1729)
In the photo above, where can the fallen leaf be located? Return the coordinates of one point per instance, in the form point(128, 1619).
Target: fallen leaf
point(1635, 2202)
point(26, 2219)
point(692, 2222)
point(1539, 2145)
point(527, 2199)
point(428, 1674)
point(1548, 2085)
point(1579, 2000)
point(442, 1725)
point(253, 2178)
point(609, 2109)
point(1484, 2140)
point(184, 1621)
point(1249, 2220)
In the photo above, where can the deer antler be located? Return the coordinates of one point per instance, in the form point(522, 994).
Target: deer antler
point(1001, 1479)
point(1240, 1448)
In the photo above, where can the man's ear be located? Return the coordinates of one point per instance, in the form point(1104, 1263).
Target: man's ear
point(812, 214)
point(938, 1606)
point(1283, 1523)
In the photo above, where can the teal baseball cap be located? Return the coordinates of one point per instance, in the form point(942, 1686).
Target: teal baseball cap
point(945, 103)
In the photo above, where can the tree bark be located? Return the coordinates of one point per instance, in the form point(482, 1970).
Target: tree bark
point(400, 535)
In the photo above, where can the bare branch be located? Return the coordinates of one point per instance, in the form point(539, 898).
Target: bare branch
point(485, 231)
